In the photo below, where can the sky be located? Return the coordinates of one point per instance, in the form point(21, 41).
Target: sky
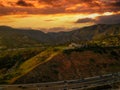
point(58, 15)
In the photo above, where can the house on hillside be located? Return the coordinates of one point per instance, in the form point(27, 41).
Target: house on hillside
point(74, 45)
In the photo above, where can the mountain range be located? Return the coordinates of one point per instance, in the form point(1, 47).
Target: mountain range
point(11, 37)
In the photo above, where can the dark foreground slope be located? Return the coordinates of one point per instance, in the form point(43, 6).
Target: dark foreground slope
point(75, 64)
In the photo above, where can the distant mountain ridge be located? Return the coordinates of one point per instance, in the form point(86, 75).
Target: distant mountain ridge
point(52, 38)
point(12, 38)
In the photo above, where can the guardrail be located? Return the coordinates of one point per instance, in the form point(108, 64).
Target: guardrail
point(70, 84)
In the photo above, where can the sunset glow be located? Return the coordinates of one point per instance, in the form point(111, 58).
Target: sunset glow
point(64, 14)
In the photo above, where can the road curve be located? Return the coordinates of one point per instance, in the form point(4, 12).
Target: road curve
point(77, 84)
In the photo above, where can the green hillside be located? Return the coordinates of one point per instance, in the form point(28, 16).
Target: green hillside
point(18, 63)
point(11, 60)
point(106, 41)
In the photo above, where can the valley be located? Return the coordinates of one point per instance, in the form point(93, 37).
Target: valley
point(32, 56)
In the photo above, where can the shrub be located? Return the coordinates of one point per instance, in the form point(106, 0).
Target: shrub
point(92, 60)
point(55, 71)
point(113, 53)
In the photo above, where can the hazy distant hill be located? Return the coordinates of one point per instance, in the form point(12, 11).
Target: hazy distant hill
point(85, 34)
point(82, 34)
point(11, 38)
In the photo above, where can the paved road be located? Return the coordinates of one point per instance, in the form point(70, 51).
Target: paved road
point(78, 84)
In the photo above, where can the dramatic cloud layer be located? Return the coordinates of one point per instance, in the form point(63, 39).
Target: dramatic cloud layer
point(58, 6)
point(58, 15)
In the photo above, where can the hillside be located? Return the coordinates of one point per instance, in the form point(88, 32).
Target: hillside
point(19, 62)
point(11, 59)
point(31, 56)
point(57, 63)
point(75, 64)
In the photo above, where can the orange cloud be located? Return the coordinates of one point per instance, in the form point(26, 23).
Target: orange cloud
point(58, 6)
point(23, 3)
